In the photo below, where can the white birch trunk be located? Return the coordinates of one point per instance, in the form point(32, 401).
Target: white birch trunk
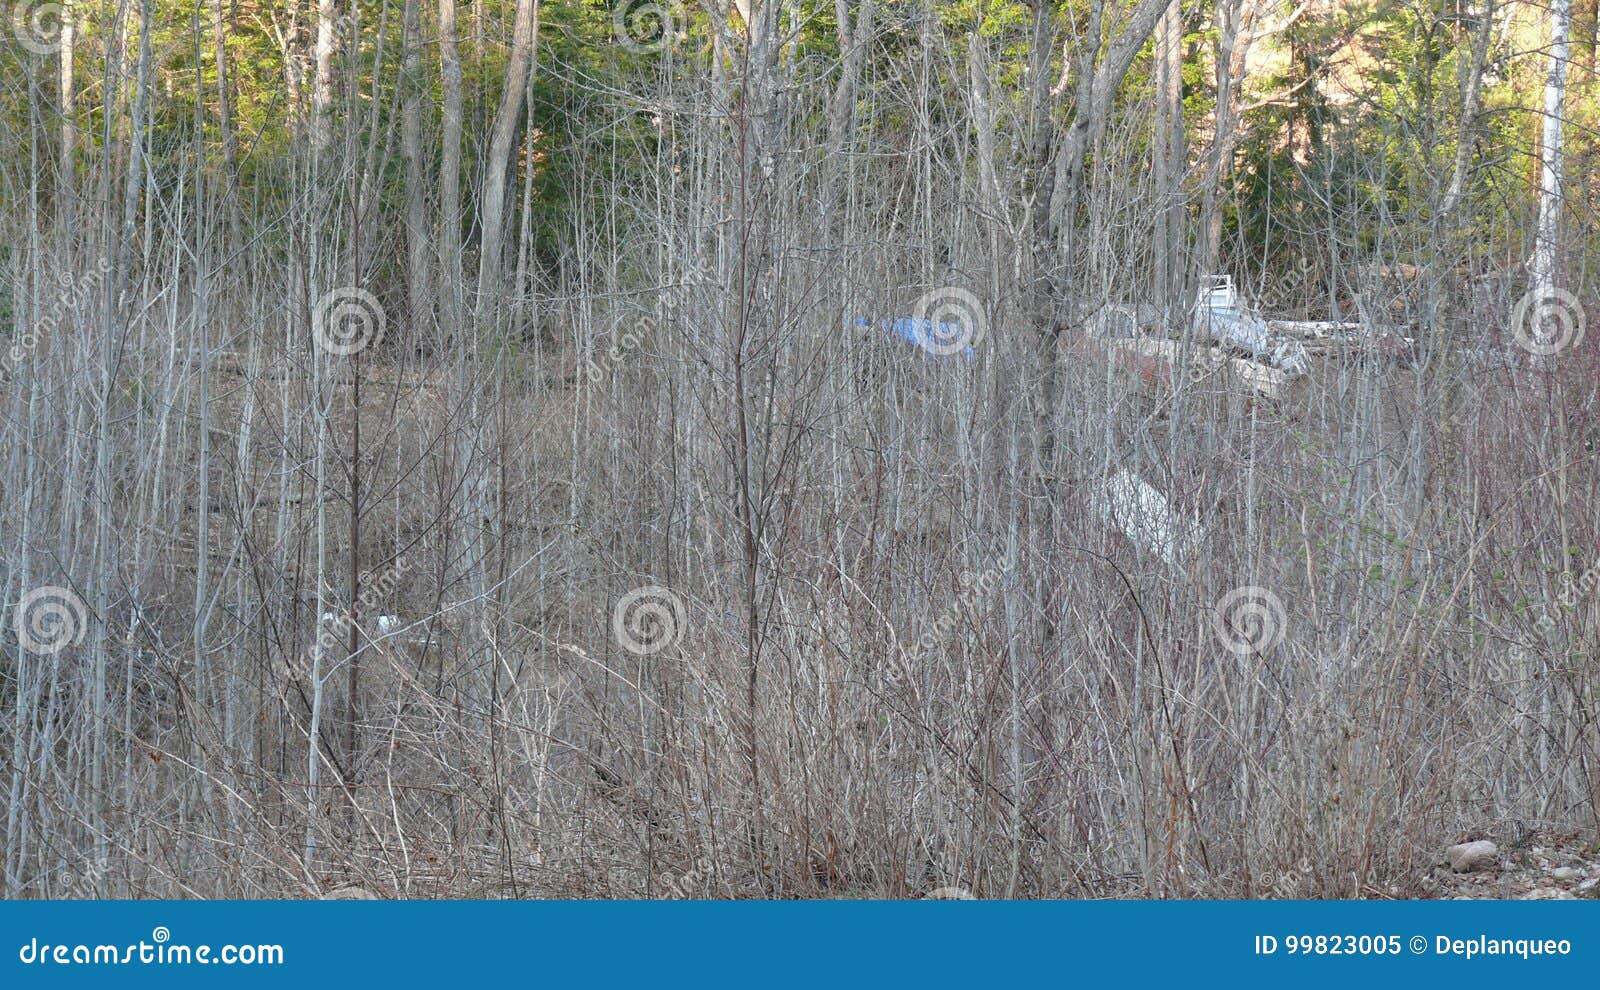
point(322, 82)
point(450, 169)
point(1543, 266)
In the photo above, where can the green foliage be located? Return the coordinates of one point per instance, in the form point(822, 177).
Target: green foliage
point(1355, 113)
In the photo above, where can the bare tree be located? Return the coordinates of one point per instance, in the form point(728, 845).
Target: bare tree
point(1543, 265)
point(1471, 105)
point(419, 252)
point(809, 505)
point(67, 167)
point(450, 170)
point(498, 162)
point(327, 39)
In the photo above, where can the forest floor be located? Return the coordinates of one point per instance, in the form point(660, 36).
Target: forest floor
point(1535, 866)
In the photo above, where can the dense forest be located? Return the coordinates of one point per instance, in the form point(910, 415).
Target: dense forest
point(790, 448)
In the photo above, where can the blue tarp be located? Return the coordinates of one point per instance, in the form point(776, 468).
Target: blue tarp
point(921, 333)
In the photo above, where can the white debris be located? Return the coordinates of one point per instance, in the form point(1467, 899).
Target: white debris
point(1265, 379)
point(1224, 317)
point(383, 624)
point(1290, 356)
point(1144, 515)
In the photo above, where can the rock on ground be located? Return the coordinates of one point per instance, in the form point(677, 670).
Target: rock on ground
point(1534, 865)
point(1470, 857)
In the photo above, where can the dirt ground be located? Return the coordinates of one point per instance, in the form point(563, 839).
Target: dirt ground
point(1532, 866)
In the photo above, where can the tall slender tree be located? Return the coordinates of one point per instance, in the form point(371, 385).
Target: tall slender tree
point(1543, 266)
point(502, 143)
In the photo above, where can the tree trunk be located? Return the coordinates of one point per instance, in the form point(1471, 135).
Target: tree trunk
point(1098, 83)
point(322, 82)
point(1223, 137)
point(230, 151)
point(1471, 99)
point(854, 43)
point(450, 169)
point(1170, 157)
point(855, 39)
point(66, 181)
point(411, 150)
point(497, 166)
point(1089, 123)
point(1542, 270)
